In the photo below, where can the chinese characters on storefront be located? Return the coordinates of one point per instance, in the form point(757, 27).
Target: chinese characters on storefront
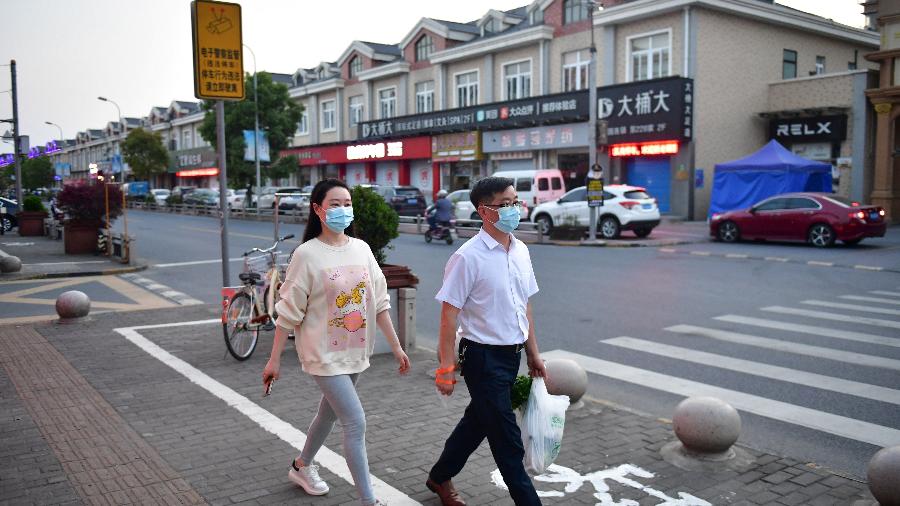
point(661, 109)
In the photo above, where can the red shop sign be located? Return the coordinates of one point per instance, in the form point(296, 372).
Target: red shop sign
point(401, 149)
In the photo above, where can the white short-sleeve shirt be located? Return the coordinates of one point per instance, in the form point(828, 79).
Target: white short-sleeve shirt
point(491, 288)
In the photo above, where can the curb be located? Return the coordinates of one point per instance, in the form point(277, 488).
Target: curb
point(608, 244)
point(78, 274)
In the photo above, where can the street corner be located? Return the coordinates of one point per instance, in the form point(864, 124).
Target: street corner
point(34, 300)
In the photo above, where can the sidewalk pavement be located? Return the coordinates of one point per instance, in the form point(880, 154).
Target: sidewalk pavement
point(90, 417)
point(43, 257)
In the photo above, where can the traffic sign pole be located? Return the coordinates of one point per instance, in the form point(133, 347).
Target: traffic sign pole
point(223, 185)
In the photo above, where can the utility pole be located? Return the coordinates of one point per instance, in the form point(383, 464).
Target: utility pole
point(255, 128)
point(592, 119)
point(16, 139)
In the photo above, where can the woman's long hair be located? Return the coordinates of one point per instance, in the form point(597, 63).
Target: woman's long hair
point(314, 224)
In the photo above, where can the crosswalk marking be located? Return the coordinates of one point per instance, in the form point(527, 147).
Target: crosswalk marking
point(883, 292)
point(789, 347)
point(813, 380)
point(878, 300)
point(876, 322)
point(818, 420)
point(853, 307)
point(811, 329)
point(179, 297)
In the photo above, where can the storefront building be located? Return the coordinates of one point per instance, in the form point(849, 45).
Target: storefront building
point(460, 159)
point(192, 167)
point(397, 162)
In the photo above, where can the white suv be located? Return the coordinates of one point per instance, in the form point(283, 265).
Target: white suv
point(624, 208)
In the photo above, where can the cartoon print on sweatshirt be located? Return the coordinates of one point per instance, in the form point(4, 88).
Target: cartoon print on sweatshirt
point(347, 292)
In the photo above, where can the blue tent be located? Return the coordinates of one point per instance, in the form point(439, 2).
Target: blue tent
point(771, 170)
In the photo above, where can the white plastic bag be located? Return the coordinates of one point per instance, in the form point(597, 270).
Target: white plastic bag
point(542, 426)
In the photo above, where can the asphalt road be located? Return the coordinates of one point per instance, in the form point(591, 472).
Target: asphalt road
point(778, 330)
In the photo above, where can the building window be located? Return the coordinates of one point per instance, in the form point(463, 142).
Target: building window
point(537, 16)
point(575, 70)
point(820, 65)
point(789, 64)
point(303, 125)
point(424, 97)
point(424, 48)
point(649, 56)
point(490, 26)
point(575, 11)
point(355, 67)
point(387, 100)
point(186, 142)
point(356, 110)
point(467, 89)
point(518, 80)
point(328, 116)
point(321, 74)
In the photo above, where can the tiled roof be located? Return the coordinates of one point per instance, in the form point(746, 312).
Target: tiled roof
point(460, 27)
point(390, 49)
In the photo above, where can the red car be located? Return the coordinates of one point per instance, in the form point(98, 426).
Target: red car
point(817, 218)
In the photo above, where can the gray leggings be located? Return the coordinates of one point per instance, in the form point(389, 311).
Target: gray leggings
point(340, 402)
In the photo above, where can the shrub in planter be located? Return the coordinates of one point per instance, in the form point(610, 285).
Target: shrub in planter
point(149, 199)
point(31, 217)
point(174, 199)
point(85, 206)
point(375, 222)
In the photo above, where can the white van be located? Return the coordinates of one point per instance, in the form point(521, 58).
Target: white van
point(536, 186)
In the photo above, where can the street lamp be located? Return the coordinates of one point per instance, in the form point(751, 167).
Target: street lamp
point(255, 129)
point(124, 125)
point(57, 126)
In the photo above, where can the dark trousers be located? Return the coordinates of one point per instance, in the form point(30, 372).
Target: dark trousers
point(489, 374)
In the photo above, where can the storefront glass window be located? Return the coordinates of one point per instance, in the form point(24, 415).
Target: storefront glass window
point(424, 97)
point(467, 89)
point(649, 56)
point(518, 80)
point(575, 70)
point(356, 110)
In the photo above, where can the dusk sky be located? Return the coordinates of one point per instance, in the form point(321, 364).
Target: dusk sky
point(138, 52)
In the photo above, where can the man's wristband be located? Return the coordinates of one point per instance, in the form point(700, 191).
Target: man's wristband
point(445, 370)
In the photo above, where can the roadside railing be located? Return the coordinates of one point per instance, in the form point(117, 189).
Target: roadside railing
point(296, 215)
point(527, 232)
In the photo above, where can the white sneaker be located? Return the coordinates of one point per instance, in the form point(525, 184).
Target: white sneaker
point(308, 478)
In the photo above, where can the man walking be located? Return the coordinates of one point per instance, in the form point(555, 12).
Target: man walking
point(487, 284)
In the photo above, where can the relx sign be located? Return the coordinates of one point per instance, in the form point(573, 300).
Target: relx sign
point(812, 129)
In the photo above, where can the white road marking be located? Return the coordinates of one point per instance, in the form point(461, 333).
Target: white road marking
point(853, 307)
point(842, 426)
point(667, 250)
point(181, 298)
point(812, 329)
point(777, 259)
point(774, 372)
point(196, 262)
point(882, 292)
point(789, 347)
point(266, 420)
point(701, 253)
point(876, 322)
point(868, 268)
point(820, 264)
point(736, 255)
point(871, 299)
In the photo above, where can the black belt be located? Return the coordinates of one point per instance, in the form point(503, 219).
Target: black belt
point(513, 348)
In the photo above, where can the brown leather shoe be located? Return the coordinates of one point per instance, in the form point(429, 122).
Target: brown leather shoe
point(446, 492)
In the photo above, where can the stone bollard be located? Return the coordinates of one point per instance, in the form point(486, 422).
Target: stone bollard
point(884, 469)
point(10, 264)
point(566, 377)
point(72, 305)
point(707, 429)
point(706, 424)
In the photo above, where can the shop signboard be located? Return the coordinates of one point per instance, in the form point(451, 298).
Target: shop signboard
point(456, 147)
point(364, 151)
point(810, 129)
point(542, 137)
point(556, 108)
point(660, 109)
point(195, 158)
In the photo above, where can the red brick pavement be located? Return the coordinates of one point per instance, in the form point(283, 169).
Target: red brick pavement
point(106, 461)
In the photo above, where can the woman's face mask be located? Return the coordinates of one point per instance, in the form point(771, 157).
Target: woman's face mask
point(338, 218)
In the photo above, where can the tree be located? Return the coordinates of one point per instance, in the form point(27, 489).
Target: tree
point(278, 118)
point(37, 173)
point(145, 153)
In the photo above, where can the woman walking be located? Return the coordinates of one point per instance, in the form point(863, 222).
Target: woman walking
point(333, 295)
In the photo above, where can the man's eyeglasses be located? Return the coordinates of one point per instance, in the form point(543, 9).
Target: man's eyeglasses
point(515, 204)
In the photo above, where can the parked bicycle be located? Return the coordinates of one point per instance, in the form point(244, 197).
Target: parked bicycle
point(249, 308)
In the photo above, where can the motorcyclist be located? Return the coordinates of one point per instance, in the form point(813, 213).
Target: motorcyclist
point(442, 211)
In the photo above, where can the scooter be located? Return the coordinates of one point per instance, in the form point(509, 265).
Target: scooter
point(443, 231)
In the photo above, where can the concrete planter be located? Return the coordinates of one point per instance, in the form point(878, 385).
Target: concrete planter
point(31, 223)
point(80, 237)
point(399, 276)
